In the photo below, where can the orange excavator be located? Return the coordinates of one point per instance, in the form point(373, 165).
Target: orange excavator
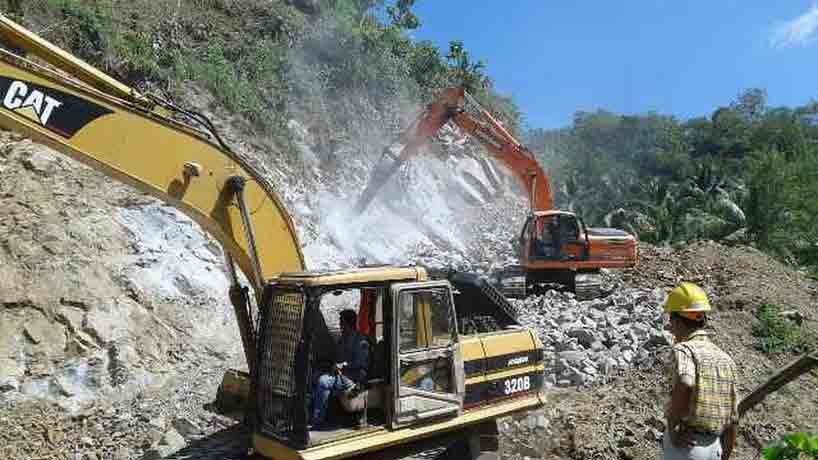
point(554, 247)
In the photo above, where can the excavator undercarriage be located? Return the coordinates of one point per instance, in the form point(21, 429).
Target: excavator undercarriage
point(515, 282)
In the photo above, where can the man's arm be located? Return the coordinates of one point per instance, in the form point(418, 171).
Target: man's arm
point(679, 408)
point(728, 440)
point(684, 381)
point(363, 358)
point(728, 436)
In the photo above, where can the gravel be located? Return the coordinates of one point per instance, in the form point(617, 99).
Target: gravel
point(587, 341)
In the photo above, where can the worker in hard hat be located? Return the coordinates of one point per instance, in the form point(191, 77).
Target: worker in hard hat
point(702, 413)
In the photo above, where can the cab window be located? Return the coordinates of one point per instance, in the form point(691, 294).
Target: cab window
point(569, 228)
point(424, 319)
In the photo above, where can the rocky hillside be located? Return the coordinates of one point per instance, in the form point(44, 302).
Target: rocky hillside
point(621, 415)
point(102, 290)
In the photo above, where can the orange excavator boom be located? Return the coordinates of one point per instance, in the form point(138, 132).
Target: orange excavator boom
point(511, 153)
point(484, 127)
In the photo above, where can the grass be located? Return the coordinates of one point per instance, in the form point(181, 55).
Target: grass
point(777, 334)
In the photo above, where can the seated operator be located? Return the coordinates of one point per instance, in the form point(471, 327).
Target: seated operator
point(352, 370)
point(547, 243)
point(556, 239)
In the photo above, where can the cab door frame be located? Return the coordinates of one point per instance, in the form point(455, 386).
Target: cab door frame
point(411, 405)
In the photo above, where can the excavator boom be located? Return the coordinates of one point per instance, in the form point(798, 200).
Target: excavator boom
point(511, 153)
point(487, 129)
point(108, 126)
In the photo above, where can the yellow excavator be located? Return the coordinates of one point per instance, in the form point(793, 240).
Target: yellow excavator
point(448, 356)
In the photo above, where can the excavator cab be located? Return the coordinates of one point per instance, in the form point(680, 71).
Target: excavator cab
point(415, 363)
point(553, 236)
point(432, 368)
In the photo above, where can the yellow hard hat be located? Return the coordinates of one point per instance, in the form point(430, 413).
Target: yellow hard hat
point(688, 300)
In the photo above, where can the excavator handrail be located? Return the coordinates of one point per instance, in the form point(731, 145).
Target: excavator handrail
point(154, 154)
point(490, 132)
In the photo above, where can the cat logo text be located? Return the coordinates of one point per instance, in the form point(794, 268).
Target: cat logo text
point(31, 103)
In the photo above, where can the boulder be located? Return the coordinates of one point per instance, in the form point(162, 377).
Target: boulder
point(584, 336)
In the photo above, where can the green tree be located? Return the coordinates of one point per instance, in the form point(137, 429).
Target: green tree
point(402, 15)
point(465, 71)
point(751, 104)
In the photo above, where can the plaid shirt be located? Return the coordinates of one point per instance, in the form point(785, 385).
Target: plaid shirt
point(715, 402)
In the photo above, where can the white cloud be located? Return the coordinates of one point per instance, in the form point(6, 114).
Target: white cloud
point(800, 31)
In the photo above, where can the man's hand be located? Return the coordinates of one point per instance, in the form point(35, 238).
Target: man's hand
point(339, 367)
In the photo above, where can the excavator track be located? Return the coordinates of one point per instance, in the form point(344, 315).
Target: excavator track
point(513, 282)
point(234, 444)
point(480, 442)
point(588, 285)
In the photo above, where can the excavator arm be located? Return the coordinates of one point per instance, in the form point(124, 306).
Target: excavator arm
point(105, 124)
point(484, 127)
point(84, 114)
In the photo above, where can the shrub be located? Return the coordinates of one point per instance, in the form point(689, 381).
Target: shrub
point(795, 446)
point(245, 79)
point(777, 334)
point(92, 26)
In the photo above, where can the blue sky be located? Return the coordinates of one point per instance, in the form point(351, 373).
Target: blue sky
point(684, 58)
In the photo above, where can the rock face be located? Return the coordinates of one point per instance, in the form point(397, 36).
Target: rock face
point(455, 209)
point(101, 289)
point(586, 341)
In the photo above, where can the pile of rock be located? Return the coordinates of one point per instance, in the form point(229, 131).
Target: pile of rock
point(586, 341)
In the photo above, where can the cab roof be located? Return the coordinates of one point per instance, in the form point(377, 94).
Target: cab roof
point(354, 276)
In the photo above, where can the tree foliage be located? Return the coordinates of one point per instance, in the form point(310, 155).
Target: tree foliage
point(746, 173)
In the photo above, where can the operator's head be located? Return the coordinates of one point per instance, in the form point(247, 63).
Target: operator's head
point(687, 305)
point(349, 320)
